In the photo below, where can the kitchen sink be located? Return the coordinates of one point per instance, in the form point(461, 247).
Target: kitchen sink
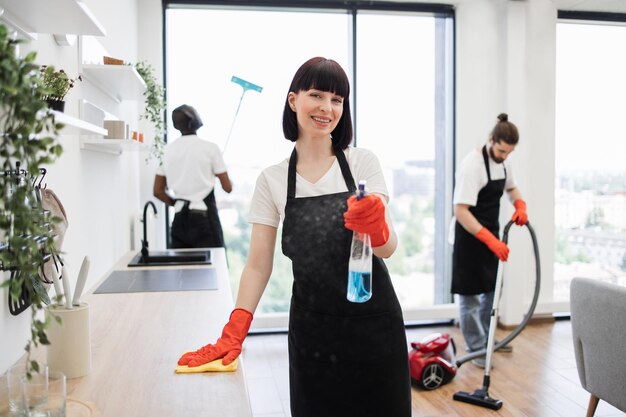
point(172, 257)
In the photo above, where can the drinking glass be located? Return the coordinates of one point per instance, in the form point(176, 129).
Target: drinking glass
point(45, 396)
point(15, 375)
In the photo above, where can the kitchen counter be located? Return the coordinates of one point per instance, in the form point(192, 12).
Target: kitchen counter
point(137, 339)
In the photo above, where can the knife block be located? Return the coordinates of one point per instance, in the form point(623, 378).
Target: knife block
point(69, 350)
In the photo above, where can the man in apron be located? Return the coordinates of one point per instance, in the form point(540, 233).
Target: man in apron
point(186, 179)
point(480, 182)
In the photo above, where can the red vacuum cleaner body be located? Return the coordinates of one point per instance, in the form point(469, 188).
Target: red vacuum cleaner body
point(432, 361)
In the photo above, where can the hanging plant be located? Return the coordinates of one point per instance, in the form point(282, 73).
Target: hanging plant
point(27, 142)
point(154, 108)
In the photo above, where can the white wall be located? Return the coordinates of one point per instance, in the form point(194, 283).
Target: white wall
point(506, 63)
point(150, 44)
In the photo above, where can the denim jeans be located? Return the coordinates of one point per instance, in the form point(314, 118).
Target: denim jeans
point(474, 318)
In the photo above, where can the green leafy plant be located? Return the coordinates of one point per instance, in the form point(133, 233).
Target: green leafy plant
point(57, 83)
point(27, 141)
point(154, 108)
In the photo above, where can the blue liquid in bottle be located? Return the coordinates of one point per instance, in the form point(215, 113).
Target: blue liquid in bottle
point(359, 286)
point(360, 265)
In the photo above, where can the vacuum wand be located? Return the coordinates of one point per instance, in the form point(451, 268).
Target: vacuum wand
point(520, 327)
point(481, 396)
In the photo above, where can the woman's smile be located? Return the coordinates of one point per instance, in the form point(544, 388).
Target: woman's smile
point(322, 121)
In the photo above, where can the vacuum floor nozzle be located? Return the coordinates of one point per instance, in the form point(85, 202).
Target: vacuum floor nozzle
point(479, 397)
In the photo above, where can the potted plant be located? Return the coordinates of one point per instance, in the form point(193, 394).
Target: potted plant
point(27, 142)
point(57, 84)
point(154, 108)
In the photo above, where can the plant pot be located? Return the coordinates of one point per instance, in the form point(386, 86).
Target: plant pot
point(57, 105)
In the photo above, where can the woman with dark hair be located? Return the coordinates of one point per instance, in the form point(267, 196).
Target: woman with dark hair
point(345, 359)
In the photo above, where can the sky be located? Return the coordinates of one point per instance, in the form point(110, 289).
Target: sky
point(206, 48)
point(396, 91)
point(590, 91)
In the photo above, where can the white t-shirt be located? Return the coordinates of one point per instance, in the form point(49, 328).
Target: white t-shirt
point(270, 194)
point(471, 177)
point(190, 164)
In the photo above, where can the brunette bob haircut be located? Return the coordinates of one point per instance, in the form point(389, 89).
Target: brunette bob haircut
point(324, 75)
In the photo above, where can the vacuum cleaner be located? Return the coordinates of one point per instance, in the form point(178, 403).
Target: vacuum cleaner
point(480, 397)
point(432, 362)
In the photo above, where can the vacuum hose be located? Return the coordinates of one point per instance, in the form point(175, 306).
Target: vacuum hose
point(533, 304)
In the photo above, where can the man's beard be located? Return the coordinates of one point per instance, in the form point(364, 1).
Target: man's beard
point(495, 158)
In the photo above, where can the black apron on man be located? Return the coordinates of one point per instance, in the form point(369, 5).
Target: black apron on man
point(474, 266)
point(345, 359)
point(198, 228)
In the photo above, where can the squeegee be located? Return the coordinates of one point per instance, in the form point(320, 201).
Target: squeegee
point(246, 85)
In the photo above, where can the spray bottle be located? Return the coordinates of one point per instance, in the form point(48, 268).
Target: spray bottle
point(360, 265)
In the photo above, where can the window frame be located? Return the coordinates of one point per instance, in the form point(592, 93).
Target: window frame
point(445, 135)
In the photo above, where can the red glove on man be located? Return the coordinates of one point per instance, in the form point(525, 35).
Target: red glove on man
point(520, 217)
point(367, 215)
point(228, 346)
point(493, 243)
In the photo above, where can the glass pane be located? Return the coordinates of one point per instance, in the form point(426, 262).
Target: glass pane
point(590, 200)
point(396, 120)
point(205, 49)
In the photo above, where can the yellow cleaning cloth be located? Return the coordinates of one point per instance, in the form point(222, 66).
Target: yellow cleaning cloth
point(214, 366)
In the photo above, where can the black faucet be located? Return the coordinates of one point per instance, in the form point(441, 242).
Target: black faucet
point(144, 242)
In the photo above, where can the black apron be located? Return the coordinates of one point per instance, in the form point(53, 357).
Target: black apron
point(198, 228)
point(345, 359)
point(474, 266)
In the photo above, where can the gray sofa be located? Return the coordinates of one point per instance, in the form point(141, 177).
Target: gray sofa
point(599, 331)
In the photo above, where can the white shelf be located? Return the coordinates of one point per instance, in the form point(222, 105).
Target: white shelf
point(74, 125)
point(120, 82)
point(50, 16)
point(112, 146)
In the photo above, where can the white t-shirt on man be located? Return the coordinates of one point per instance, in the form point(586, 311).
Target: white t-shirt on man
point(471, 177)
point(190, 164)
point(270, 194)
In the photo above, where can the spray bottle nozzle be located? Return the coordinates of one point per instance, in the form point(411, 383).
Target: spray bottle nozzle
point(361, 191)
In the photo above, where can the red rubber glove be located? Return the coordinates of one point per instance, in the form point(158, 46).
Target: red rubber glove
point(493, 243)
point(367, 215)
point(520, 217)
point(227, 347)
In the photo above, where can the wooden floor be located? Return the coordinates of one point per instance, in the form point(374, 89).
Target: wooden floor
point(538, 379)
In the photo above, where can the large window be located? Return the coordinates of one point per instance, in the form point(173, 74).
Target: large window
point(590, 201)
point(401, 116)
point(402, 101)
